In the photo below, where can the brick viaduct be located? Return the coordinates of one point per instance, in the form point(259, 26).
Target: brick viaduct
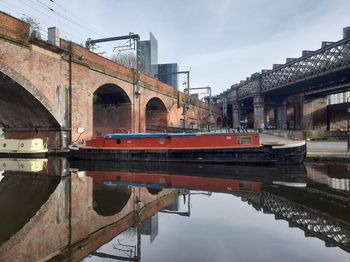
point(52, 91)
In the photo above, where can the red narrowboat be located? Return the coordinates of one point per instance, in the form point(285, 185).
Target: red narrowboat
point(240, 148)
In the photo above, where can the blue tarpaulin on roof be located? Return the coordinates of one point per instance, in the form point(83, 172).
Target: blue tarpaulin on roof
point(143, 135)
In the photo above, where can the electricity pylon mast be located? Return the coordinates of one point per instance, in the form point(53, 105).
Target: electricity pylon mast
point(132, 37)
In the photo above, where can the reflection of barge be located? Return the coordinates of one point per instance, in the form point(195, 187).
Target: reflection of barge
point(187, 175)
point(242, 148)
point(161, 181)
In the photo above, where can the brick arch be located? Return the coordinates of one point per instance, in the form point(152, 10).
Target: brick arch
point(156, 115)
point(28, 93)
point(112, 110)
point(118, 84)
point(167, 106)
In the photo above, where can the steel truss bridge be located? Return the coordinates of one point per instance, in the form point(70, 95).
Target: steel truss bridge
point(322, 226)
point(320, 72)
point(332, 231)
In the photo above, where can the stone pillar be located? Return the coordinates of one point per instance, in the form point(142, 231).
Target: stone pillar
point(266, 116)
point(282, 115)
point(259, 119)
point(298, 112)
point(235, 115)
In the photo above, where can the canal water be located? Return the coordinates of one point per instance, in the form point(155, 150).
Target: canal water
point(57, 210)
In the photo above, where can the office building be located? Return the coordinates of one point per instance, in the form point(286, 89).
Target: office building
point(166, 74)
point(149, 56)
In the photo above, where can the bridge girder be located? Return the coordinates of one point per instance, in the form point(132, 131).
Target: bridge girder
point(327, 60)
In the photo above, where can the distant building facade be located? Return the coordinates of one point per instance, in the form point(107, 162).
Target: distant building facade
point(339, 98)
point(149, 56)
point(150, 66)
point(166, 74)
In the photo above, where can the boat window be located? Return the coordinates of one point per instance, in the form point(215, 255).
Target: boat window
point(245, 186)
point(245, 140)
point(118, 141)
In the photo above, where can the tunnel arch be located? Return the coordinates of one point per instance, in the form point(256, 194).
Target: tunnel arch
point(111, 110)
point(22, 105)
point(156, 115)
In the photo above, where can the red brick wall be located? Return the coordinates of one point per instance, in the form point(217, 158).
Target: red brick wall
point(14, 29)
point(112, 119)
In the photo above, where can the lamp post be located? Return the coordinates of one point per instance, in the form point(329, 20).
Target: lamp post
point(187, 91)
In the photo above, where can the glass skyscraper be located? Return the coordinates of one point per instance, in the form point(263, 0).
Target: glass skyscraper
point(150, 66)
point(166, 74)
point(149, 56)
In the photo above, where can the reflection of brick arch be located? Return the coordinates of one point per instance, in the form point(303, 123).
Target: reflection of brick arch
point(108, 202)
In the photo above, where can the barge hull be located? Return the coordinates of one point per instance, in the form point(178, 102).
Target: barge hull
point(264, 154)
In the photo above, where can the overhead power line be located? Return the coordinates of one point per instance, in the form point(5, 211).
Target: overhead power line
point(47, 8)
point(75, 21)
point(58, 21)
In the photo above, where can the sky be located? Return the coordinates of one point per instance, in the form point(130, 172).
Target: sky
point(221, 42)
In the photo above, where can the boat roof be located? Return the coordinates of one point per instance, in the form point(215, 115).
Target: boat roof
point(147, 135)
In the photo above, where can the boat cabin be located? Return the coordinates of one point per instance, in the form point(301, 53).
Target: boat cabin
point(175, 140)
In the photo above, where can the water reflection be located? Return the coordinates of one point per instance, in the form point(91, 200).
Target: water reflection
point(55, 210)
point(108, 201)
point(20, 198)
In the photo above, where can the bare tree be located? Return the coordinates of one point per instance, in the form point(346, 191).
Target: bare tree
point(34, 26)
point(125, 58)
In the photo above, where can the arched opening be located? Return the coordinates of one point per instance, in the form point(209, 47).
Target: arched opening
point(247, 112)
point(23, 115)
point(156, 116)
point(110, 200)
point(219, 122)
point(111, 110)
